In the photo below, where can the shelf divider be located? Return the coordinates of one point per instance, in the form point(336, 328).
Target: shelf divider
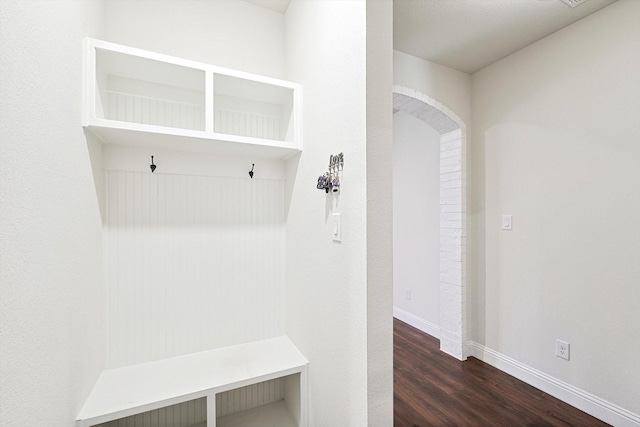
point(208, 108)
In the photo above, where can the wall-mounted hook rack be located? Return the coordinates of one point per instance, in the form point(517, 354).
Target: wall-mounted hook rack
point(330, 181)
point(336, 163)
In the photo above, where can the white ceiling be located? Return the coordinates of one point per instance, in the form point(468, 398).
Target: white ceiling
point(279, 6)
point(468, 35)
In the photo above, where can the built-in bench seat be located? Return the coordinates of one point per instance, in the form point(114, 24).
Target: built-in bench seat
point(136, 389)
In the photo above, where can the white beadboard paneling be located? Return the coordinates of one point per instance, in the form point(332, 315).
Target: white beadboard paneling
point(193, 263)
point(128, 107)
point(247, 124)
point(135, 159)
point(181, 415)
point(250, 117)
point(252, 396)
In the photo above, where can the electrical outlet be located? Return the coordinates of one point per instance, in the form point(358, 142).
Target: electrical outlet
point(562, 349)
point(407, 294)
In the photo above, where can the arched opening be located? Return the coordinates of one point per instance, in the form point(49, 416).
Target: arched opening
point(452, 199)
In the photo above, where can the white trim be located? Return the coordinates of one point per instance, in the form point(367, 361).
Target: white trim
point(417, 322)
point(154, 56)
point(585, 401)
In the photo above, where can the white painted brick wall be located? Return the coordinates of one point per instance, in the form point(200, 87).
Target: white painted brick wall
point(457, 208)
point(450, 144)
point(452, 184)
point(452, 243)
point(452, 136)
point(450, 153)
point(456, 217)
point(453, 176)
point(457, 194)
point(453, 232)
point(447, 263)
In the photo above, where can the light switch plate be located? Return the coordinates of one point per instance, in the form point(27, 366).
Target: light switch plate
point(336, 226)
point(507, 222)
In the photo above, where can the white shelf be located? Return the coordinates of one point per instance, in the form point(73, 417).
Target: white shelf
point(135, 389)
point(135, 97)
point(272, 415)
point(156, 137)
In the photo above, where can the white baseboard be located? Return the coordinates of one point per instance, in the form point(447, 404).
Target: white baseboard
point(587, 402)
point(417, 322)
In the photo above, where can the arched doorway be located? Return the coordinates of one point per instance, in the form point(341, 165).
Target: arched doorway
point(453, 206)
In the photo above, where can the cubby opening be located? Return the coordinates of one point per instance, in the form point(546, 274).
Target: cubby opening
point(251, 108)
point(192, 413)
point(273, 403)
point(139, 90)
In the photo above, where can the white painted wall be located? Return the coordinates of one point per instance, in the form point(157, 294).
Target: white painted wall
point(416, 217)
point(228, 33)
point(450, 87)
point(327, 282)
point(52, 327)
point(379, 213)
point(556, 132)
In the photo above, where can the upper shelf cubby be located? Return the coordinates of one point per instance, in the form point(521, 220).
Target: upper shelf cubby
point(142, 98)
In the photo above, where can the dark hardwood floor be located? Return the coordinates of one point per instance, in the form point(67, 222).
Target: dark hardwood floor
point(432, 388)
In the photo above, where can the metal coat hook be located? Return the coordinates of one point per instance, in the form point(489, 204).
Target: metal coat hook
point(152, 166)
point(251, 171)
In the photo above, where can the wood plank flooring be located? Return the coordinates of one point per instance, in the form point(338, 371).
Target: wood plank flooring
point(432, 388)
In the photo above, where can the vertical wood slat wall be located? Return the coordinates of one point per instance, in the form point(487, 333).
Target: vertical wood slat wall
point(192, 263)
